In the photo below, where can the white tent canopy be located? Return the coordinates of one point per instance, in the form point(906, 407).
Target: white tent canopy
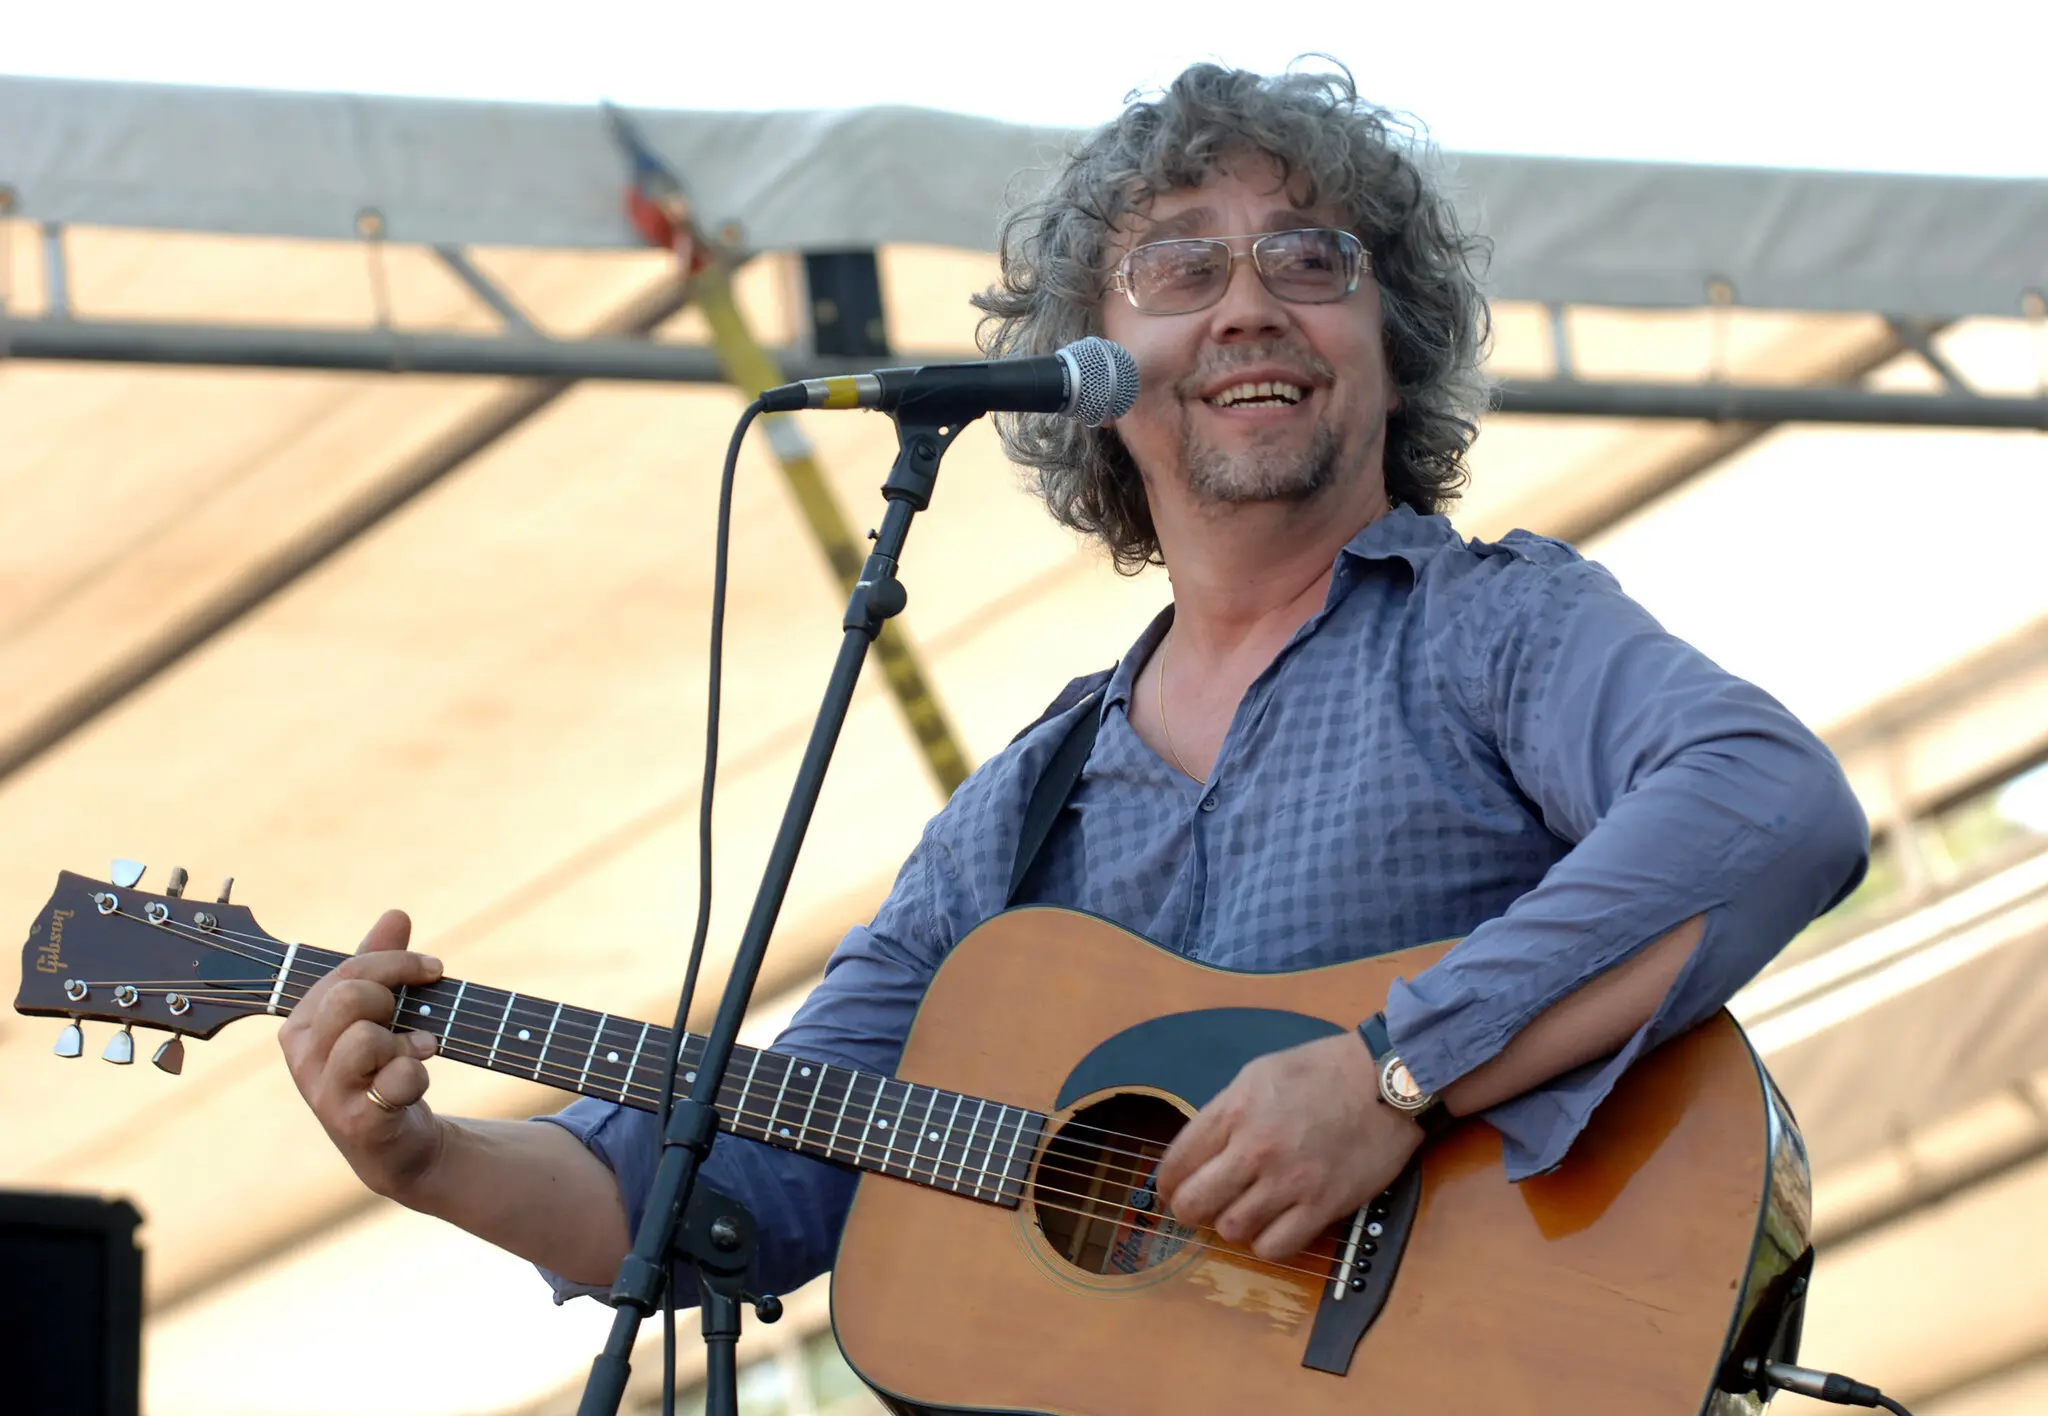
point(505, 174)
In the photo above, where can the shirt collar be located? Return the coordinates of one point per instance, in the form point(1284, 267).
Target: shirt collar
point(1402, 534)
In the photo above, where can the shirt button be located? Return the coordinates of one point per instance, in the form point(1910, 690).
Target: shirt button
point(1209, 802)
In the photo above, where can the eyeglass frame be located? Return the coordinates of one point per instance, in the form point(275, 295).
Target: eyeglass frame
point(1348, 240)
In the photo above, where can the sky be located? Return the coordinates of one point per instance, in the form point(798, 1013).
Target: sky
point(1951, 88)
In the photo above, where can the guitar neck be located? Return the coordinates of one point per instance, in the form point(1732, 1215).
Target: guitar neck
point(976, 1148)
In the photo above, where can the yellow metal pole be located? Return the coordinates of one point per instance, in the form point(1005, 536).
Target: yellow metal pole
point(750, 369)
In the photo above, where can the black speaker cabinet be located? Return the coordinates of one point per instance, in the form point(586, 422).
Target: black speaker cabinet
point(70, 1305)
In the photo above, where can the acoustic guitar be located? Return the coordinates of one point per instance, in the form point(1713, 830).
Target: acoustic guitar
point(1009, 1253)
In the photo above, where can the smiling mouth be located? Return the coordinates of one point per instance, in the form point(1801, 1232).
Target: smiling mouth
point(1258, 395)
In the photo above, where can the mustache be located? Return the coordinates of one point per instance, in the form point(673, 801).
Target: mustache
point(1240, 356)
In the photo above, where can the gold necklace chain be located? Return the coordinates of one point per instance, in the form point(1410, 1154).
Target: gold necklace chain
point(1159, 687)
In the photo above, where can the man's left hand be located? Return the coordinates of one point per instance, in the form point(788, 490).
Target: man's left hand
point(1297, 1141)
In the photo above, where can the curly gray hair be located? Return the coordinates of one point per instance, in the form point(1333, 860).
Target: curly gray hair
point(1356, 158)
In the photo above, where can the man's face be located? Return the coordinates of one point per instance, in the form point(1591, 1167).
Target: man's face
point(1191, 423)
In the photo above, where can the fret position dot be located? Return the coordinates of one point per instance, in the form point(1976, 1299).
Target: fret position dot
point(884, 1125)
point(611, 1057)
point(689, 1076)
point(933, 1136)
point(803, 1071)
point(785, 1130)
point(525, 1036)
point(426, 1010)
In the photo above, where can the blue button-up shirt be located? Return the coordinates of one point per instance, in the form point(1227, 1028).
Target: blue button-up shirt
point(1468, 739)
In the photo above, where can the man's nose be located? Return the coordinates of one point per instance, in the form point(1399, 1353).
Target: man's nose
point(1248, 309)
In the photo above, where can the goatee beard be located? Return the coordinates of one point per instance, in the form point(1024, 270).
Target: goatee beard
point(1259, 474)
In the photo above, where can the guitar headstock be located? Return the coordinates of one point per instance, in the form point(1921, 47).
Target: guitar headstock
point(109, 951)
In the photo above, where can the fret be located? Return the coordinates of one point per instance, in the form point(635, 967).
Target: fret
point(805, 1074)
point(952, 1120)
point(803, 1129)
point(926, 1133)
point(1017, 1148)
point(625, 1083)
point(865, 1101)
point(447, 1033)
point(422, 1007)
point(541, 1061)
point(746, 1089)
point(969, 1146)
point(583, 1077)
point(398, 1005)
point(776, 1130)
point(498, 1041)
point(838, 1117)
point(892, 1126)
point(1003, 1182)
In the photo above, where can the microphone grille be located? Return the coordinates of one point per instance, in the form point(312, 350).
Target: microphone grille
point(1105, 380)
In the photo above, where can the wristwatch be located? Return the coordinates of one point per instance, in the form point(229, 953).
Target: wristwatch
point(1398, 1087)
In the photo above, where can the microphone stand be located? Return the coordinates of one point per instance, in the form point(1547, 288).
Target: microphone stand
point(684, 1220)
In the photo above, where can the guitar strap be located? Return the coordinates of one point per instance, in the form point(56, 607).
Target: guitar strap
point(1061, 775)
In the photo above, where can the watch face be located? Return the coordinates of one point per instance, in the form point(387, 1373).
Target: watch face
point(1399, 1087)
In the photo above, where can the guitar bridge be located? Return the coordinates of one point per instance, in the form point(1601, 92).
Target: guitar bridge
point(1364, 1273)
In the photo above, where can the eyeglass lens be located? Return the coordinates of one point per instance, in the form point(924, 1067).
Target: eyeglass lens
point(1312, 266)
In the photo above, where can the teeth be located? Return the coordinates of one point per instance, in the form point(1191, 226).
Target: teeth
point(1259, 392)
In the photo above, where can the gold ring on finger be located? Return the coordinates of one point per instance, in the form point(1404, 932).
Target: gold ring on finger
point(383, 1102)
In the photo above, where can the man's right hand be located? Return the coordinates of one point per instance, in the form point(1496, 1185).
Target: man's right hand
point(339, 1045)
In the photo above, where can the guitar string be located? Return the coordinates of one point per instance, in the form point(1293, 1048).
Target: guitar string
point(540, 1007)
point(985, 1136)
point(263, 942)
point(1098, 1208)
point(1107, 1213)
point(467, 1051)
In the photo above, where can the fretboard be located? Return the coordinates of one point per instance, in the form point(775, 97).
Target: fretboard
point(966, 1145)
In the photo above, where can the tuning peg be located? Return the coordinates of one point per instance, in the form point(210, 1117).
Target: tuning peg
point(70, 1042)
point(120, 1048)
point(178, 879)
point(225, 886)
point(125, 872)
point(171, 1056)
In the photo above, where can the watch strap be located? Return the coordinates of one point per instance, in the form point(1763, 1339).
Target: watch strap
point(1432, 1117)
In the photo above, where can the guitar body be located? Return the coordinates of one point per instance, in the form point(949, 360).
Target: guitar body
point(1623, 1282)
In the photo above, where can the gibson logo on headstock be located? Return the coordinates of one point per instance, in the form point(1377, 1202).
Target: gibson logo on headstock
point(49, 958)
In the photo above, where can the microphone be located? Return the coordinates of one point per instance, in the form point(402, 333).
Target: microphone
point(1092, 380)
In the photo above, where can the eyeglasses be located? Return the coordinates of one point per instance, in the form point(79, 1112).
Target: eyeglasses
point(1312, 266)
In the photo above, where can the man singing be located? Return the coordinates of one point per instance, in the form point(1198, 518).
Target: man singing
point(1353, 731)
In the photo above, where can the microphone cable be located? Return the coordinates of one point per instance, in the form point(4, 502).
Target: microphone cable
point(714, 673)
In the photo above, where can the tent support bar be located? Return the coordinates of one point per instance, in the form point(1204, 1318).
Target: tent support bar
point(1915, 335)
point(485, 289)
point(379, 351)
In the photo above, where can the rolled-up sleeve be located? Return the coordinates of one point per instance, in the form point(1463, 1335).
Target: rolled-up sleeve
point(1685, 790)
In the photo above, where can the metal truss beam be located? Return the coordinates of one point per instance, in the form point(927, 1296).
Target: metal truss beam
point(381, 351)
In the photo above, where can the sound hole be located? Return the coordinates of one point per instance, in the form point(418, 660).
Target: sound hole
point(1093, 1195)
